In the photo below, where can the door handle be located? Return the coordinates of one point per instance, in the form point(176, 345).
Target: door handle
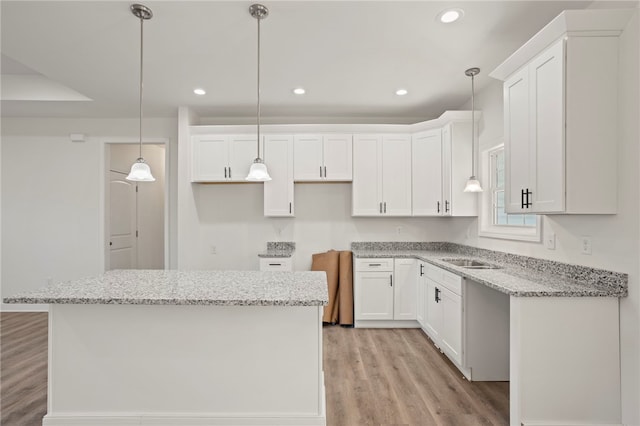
point(385, 206)
point(289, 208)
point(325, 171)
point(421, 269)
point(380, 207)
point(225, 172)
point(229, 172)
point(320, 171)
point(438, 207)
point(522, 204)
point(446, 206)
point(438, 295)
point(390, 280)
point(528, 203)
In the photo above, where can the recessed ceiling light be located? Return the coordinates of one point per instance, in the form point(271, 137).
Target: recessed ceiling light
point(450, 15)
point(299, 91)
point(199, 92)
point(401, 92)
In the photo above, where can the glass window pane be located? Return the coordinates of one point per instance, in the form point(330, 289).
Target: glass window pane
point(515, 219)
point(500, 199)
point(501, 216)
point(530, 220)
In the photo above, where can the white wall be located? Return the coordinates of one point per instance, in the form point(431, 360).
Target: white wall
point(230, 217)
point(53, 197)
point(616, 238)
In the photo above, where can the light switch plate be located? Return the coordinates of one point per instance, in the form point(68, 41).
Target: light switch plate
point(550, 241)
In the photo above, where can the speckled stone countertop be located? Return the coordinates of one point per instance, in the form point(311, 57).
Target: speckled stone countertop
point(279, 249)
point(518, 275)
point(160, 287)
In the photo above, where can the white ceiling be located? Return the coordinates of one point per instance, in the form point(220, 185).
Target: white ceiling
point(349, 56)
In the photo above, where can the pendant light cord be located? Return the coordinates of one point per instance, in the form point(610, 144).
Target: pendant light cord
point(473, 132)
point(258, 132)
point(141, 69)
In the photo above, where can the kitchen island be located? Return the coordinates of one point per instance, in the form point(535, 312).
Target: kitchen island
point(185, 348)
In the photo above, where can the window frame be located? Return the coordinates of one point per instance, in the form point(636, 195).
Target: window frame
point(486, 227)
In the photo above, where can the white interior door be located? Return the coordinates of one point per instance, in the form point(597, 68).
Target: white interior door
point(122, 223)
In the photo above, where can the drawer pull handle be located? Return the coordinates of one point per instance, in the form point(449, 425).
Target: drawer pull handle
point(375, 264)
point(438, 295)
point(275, 264)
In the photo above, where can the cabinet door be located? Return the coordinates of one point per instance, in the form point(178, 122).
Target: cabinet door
point(278, 192)
point(421, 296)
point(374, 296)
point(337, 155)
point(426, 171)
point(307, 158)
point(451, 332)
point(405, 288)
point(446, 170)
point(242, 151)
point(546, 106)
point(396, 175)
point(433, 325)
point(516, 140)
point(210, 158)
point(366, 191)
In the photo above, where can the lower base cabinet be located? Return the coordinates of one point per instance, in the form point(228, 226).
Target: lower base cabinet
point(468, 322)
point(385, 293)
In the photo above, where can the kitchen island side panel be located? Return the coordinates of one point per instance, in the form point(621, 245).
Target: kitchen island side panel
point(128, 362)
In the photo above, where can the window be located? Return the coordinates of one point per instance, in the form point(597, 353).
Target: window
point(494, 221)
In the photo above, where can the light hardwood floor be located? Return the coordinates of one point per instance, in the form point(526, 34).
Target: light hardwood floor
point(373, 377)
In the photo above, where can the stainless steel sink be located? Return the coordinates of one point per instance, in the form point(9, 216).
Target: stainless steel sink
point(470, 264)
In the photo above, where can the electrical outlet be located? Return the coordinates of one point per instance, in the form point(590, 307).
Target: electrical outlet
point(550, 241)
point(585, 244)
point(213, 250)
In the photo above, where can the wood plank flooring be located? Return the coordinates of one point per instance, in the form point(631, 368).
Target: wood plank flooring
point(23, 368)
point(397, 377)
point(373, 377)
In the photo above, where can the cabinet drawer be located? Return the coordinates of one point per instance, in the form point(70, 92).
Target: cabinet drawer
point(385, 264)
point(276, 264)
point(445, 278)
point(452, 282)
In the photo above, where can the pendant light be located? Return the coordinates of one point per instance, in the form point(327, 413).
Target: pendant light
point(140, 170)
point(258, 171)
point(473, 184)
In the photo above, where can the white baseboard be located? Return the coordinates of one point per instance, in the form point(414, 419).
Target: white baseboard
point(169, 419)
point(386, 324)
point(551, 423)
point(23, 307)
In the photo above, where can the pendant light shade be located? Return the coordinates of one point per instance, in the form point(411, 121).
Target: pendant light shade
point(140, 170)
point(473, 184)
point(258, 171)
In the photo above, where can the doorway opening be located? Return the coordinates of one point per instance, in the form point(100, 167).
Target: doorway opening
point(134, 211)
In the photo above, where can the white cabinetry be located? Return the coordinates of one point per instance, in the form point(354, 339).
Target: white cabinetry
point(278, 192)
point(276, 264)
point(381, 175)
point(373, 289)
point(426, 169)
point(221, 158)
point(560, 118)
point(444, 312)
point(323, 157)
point(385, 292)
point(441, 165)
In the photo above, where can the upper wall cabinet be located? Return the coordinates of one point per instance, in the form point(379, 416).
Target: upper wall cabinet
point(441, 164)
point(381, 175)
point(323, 158)
point(221, 158)
point(278, 192)
point(560, 118)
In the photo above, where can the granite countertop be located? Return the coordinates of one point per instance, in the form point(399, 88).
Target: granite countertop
point(279, 249)
point(171, 287)
point(518, 275)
